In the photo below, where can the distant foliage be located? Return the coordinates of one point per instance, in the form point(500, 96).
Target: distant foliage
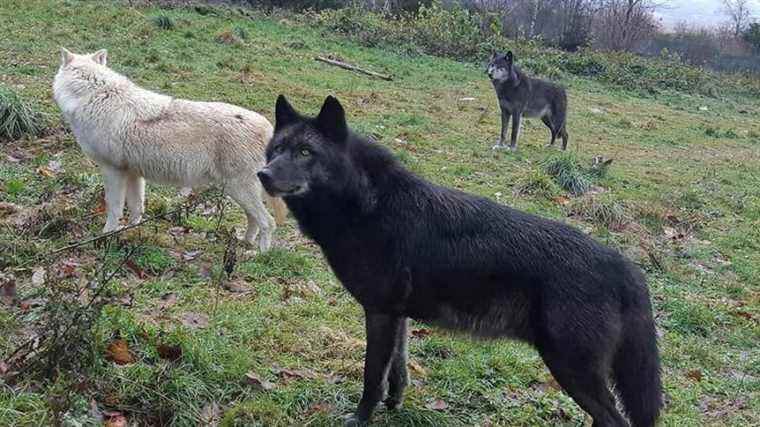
point(459, 34)
point(17, 117)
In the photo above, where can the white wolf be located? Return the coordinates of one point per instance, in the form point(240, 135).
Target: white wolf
point(134, 134)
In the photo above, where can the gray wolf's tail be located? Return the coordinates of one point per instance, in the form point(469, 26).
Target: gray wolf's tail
point(637, 369)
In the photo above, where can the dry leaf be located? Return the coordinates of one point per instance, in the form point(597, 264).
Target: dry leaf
point(178, 231)
point(8, 209)
point(135, 269)
point(169, 352)
point(31, 303)
point(114, 419)
point(437, 405)
point(743, 314)
point(254, 380)
point(695, 374)
point(418, 369)
point(562, 200)
point(322, 407)
point(420, 332)
point(45, 171)
point(3, 368)
point(291, 374)
point(38, 276)
point(67, 268)
point(237, 286)
point(118, 352)
point(195, 320)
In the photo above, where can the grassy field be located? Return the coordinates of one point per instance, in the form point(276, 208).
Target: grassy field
point(284, 344)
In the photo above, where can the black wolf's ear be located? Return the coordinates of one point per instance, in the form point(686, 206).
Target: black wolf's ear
point(331, 120)
point(510, 58)
point(284, 114)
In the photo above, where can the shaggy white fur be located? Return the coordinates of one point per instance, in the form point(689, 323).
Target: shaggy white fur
point(134, 134)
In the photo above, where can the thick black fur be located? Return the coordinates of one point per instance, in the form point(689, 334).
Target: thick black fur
point(521, 95)
point(407, 248)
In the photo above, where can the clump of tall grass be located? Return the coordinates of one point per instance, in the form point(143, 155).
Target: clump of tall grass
point(536, 183)
point(567, 172)
point(18, 117)
point(600, 209)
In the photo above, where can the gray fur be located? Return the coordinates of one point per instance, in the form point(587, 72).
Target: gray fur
point(520, 95)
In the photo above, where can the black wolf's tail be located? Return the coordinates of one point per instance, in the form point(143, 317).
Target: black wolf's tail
point(637, 368)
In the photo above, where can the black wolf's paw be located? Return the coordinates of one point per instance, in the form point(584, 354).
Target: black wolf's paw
point(393, 403)
point(351, 420)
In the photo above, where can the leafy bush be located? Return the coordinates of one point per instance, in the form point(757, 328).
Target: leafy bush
point(17, 117)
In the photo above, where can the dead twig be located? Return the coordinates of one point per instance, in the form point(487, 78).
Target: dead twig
point(350, 67)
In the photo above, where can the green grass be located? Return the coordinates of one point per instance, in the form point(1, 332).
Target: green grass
point(689, 197)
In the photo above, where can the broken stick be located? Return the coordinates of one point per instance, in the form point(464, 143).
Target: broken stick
point(352, 67)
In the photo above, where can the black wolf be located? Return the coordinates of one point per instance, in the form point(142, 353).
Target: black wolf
point(520, 95)
point(406, 248)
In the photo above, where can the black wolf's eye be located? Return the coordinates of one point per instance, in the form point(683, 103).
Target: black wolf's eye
point(279, 149)
point(305, 152)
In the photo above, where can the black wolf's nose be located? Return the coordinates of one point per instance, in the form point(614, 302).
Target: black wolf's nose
point(265, 176)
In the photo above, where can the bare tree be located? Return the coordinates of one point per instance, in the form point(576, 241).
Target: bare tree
point(738, 13)
point(623, 24)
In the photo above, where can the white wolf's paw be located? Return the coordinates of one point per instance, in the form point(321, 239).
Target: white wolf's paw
point(111, 228)
point(265, 242)
point(499, 146)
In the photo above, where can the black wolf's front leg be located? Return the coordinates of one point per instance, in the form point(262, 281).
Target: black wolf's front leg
point(398, 377)
point(505, 116)
point(516, 119)
point(382, 341)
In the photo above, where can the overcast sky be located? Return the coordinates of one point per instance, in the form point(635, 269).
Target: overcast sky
point(698, 12)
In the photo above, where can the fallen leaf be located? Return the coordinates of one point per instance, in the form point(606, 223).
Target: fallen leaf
point(45, 171)
point(167, 300)
point(100, 208)
point(8, 209)
point(291, 374)
point(254, 380)
point(38, 276)
point(418, 369)
point(191, 255)
point(31, 303)
point(118, 352)
point(211, 415)
point(135, 269)
point(437, 405)
point(322, 407)
point(562, 200)
point(114, 419)
point(195, 320)
point(695, 374)
point(169, 352)
point(743, 314)
point(335, 379)
point(420, 332)
point(67, 268)
point(3, 368)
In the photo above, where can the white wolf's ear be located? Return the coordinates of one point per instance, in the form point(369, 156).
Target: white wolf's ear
point(284, 114)
point(66, 56)
point(100, 57)
point(331, 120)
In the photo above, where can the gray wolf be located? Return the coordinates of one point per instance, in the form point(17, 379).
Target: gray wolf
point(134, 134)
point(520, 95)
point(406, 248)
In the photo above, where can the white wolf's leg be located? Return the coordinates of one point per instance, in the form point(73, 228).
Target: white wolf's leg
point(248, 194)
point(115, 187)
point(135, 198)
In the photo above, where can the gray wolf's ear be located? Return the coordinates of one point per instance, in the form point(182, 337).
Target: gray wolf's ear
point(66, 56)
point(331, 120)
point(284, 114)
point(510, 57)
point(100, 56)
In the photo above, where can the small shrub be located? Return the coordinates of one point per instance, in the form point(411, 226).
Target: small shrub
point(163, 22)
point(17, 117)
point(567, 173)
